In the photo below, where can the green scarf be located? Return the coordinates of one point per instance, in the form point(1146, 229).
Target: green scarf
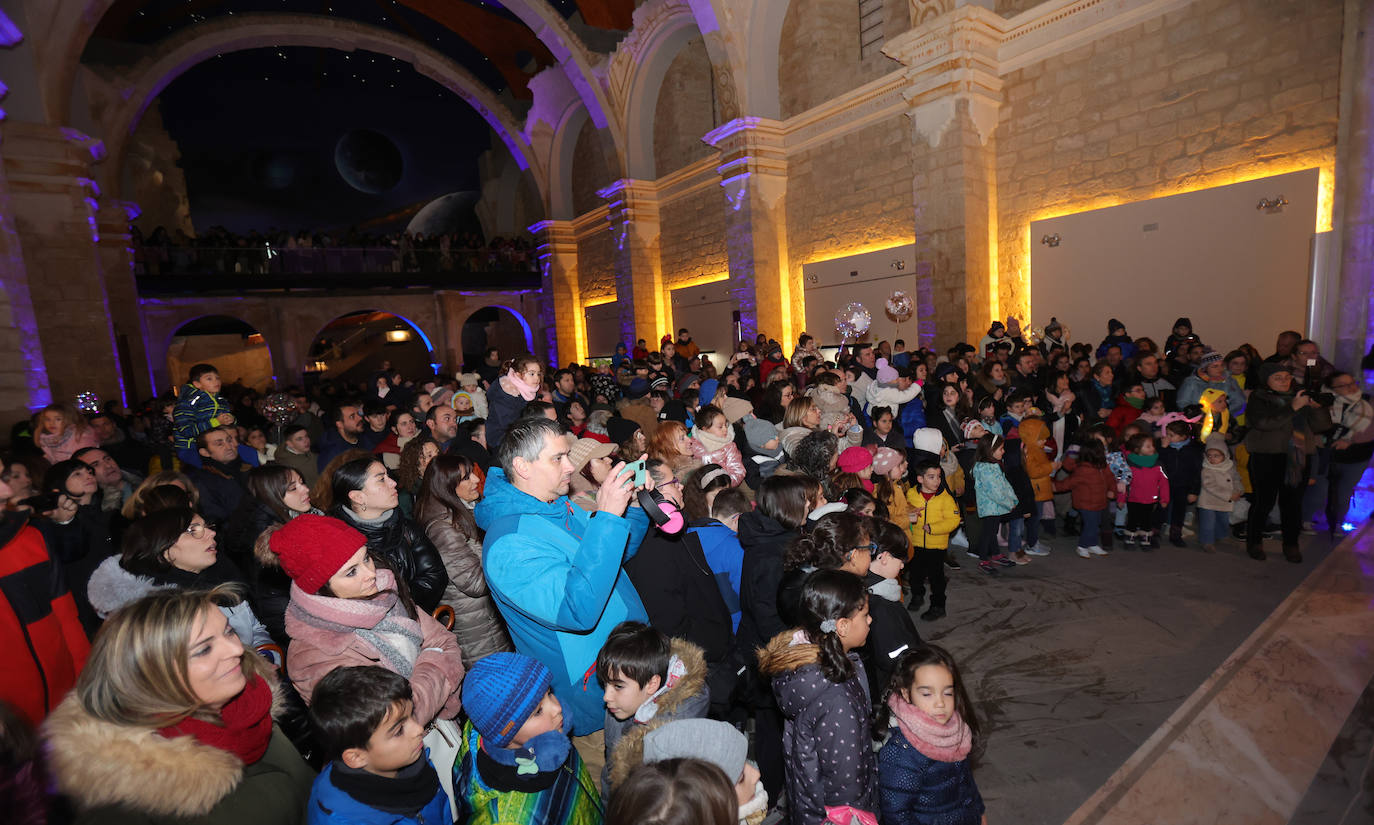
point(1138, 403)
point(1138, 460)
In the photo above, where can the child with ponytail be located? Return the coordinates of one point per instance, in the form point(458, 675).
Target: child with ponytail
point(931, 729)
point(822, 691)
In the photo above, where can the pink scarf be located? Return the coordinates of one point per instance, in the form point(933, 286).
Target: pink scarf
point(526, 391)
point(949, 742)
point(381, 621)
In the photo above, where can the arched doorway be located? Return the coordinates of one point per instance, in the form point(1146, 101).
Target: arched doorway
point(353, 347)
point(495, 326)
point(234, 346)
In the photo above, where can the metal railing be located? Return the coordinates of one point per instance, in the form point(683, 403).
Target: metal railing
point(155, 261)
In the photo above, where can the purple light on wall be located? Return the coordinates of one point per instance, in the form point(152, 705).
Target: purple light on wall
point(9, 33)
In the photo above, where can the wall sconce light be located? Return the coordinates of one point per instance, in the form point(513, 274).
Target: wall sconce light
point(1272, 206)
point(898, 264)
point(397, 336)
point(1051, 240)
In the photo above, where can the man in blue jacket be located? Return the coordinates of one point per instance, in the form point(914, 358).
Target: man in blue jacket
point(554, 569)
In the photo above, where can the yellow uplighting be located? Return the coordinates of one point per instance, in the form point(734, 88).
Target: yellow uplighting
point(596, 302)
point(703, 280)
point(860, 249)
point(1326, 197)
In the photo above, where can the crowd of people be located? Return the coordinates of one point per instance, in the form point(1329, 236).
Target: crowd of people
point(278, 251)
point(520, 594)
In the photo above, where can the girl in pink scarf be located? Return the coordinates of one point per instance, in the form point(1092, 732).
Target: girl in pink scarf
point(924, 775)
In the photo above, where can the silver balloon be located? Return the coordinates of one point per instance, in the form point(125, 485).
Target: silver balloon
point(852, 321)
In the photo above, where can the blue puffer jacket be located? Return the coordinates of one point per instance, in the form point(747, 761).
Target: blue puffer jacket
point(554, 571)
point(996, 497)
point(725, 557)
point(917, 790)
point(331, 806)
point(913, 418)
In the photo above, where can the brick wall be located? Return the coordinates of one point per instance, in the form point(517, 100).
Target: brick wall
point(1213, 92)
point(692, 239)
point(685, 110)
point(590, 170)
point(819, 51)
point(851, 192)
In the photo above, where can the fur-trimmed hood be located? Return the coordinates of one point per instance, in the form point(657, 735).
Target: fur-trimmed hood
point(795, 668)
point(111, 587)
point(688, 699)
point(781, 655)
point(99, 763)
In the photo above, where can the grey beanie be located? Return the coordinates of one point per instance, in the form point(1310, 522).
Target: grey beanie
point(716, 742)
point(759, 432)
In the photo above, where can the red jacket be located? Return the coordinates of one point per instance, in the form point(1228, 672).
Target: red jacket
point(1089, 485)
point(1122, 414)
point(40, 633)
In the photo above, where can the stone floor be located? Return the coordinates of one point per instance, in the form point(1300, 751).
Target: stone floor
point(1077, 664)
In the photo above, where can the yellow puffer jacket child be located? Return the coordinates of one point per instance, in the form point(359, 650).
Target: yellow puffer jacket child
point(935, 520)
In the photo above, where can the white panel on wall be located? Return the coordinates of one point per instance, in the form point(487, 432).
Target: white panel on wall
point(868, 278)
point(1239, 272)
point(603, 329)
point(707, 311)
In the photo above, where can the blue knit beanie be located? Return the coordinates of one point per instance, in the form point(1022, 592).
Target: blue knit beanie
point(501, 691)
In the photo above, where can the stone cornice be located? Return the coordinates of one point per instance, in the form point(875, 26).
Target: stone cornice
point(689, 180)
point(1056, 26)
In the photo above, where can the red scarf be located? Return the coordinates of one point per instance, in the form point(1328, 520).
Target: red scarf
point(247, 724)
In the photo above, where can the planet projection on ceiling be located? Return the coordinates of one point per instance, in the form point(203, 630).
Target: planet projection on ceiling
point(368, 161)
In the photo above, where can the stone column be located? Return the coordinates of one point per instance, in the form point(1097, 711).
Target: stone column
point(54, 202)
point(633, 219)
point(1354, 171)
point(117, 263)
point(954, 92)
point(560, 310)
point(23, 372)
point(753, 173)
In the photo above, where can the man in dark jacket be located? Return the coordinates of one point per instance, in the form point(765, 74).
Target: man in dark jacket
point(222, 478)
point(348, 424)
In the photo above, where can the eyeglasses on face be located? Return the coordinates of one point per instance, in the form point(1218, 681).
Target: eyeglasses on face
point(197, 530)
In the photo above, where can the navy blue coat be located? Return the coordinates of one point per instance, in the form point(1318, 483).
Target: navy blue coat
point(914, 789)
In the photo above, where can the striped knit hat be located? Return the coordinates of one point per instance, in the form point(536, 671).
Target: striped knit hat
point(501, 691)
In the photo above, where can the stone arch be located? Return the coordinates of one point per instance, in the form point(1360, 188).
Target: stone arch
point(637, 70)
point(561, 162)
point(333, 316)
point(589, 169)
point(684, 110)
point(522, 325)
point(75, 20)
point(160, 349)
point(180, 52)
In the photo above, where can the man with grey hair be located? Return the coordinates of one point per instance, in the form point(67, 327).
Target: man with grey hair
point(554, 570)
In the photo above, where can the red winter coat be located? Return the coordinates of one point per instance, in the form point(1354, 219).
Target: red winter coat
point(1122, 414)
point(44, 642)
point(1089, 485)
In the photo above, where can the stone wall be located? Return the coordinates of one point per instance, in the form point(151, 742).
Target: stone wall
point(1212, 92)
point(819, 51)
point(686, 109)
point(692, 243)
point(153, 177)
point(596, 262)
point(851, 192)
point(590, 170)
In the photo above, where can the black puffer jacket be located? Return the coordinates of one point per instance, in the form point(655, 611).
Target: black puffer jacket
point(764, 541)
point(406, 548)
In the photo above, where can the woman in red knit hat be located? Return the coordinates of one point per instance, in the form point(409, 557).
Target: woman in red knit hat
point(347, 609)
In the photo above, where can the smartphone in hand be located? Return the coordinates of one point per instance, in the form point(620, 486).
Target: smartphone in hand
point(641, 475)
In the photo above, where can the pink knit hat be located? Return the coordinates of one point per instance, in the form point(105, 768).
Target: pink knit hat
point(885, 459)
point(854, 459)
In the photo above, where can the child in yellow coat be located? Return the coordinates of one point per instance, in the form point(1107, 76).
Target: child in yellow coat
point(934, 516)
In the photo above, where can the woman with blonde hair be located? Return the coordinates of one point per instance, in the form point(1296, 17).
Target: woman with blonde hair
point(171, 720)
point(59, 431)
point(802, 412)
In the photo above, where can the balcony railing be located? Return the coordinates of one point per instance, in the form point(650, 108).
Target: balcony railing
point(239, 269)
